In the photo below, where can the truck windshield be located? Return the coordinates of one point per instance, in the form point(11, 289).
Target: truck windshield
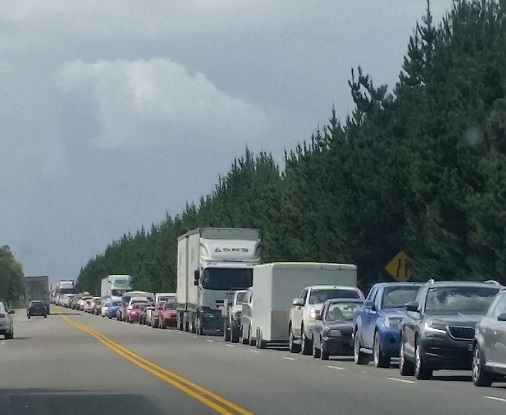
point(118, 292)
point(67, 291)
point(227, 278)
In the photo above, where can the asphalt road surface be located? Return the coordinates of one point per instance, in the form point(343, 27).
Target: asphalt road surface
point(77, 364)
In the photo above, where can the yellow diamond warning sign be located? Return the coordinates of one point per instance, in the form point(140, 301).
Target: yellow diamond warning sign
point(399, 267)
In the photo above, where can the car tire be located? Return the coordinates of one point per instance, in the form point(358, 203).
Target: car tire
point(324, 354)
point(292, 346)
point(480, 375)
point(9, 336)
point(198, 326)
point(243, 340)
point(226, 331)
point(406, 368)
point(359, 357)
point(317, 352)
point(252, 341)
point(163, 325)
point(423, 371)
point(380, 359)
point(306, 345)
point(28, 316)
point(45, 315)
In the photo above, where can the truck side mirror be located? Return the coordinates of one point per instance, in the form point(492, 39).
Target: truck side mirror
point(370, 305)
point(297, 302)
point(413, 306)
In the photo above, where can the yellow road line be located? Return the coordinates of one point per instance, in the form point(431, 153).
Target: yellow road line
point(205, 396)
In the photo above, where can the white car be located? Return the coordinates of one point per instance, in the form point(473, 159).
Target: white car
point(307, 306)
point(6, 323)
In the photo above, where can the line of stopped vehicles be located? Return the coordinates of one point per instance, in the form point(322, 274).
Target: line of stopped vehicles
point(316, 309)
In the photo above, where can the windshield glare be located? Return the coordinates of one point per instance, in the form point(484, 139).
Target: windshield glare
point(397, 297)
point(319, 296)
point(341, 311)
point(460, 299)
point(227, 278)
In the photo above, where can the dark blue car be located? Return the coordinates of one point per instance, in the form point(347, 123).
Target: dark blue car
point(376, 333)
point(113, 308)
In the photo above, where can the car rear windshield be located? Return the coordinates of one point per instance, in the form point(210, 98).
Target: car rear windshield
point(170, 306)
point(341, 311)
point(397, 297)
point(460, 299)
point(319, 296)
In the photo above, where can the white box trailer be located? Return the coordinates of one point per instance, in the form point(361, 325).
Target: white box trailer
point(276, 285)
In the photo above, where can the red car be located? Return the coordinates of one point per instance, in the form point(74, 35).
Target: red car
point(134, 312)
point(167, 316)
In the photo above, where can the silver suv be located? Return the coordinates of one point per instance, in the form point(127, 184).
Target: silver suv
point(6, 323)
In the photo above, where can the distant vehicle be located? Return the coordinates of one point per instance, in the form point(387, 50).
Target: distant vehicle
point(37, 288)
point(97, 305)
point(489, 348)
point(115, 285)
point(155, 314)
point(333, 330)
point(232, 311)
point(159, 297)
point(113, 307)
point(377, 322)
point(212, 264)
point(36, 308)
point(122, 312)
point(167, 316)
point(438, 329)
point(246, 327)
point(310, 302)
point(134, 311)
point(64, 287)
point(6, 322)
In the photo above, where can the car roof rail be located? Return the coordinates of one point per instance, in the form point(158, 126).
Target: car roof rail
point(493, 282)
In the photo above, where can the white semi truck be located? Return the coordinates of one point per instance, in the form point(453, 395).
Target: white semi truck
point(115, 285)
point(212, 264)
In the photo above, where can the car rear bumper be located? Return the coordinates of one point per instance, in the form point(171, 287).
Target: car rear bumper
point(37, 312)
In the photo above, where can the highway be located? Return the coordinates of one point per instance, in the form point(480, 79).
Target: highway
point(75, 364)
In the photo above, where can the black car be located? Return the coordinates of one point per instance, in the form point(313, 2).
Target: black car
point(333, 329)
point(437, 331)
point(489, 354)
point(36, 308)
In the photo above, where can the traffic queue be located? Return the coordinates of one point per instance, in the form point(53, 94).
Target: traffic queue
point(426, 327)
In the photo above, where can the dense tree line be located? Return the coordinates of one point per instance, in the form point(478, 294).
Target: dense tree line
point(422, 169)
point(11, 276)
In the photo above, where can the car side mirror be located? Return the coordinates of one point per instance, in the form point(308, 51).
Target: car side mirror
point(297, 302)
point(501, 317)
point(413, 306)
point(11, 311)
point(370, 305)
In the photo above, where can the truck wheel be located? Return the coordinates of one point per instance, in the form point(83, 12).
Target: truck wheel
point(292, 346)
point(380, 359)
point(252, 341)
point(317, 352)
point(226, 332)
point(261, 343)
point(234, 334)
point(306, 343)
point(243, 339)
point(359, 357)
point(198, 326)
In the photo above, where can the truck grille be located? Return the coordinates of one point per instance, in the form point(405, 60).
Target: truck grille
point(461, 333)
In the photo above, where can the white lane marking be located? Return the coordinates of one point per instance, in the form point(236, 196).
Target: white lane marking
point(193, 336)
point(210, 341)
point(336, 367)
point(288, 358)
point(401, 380)
point(254, 351)
point(493, 398)
point(364, 371)
point(229, 345)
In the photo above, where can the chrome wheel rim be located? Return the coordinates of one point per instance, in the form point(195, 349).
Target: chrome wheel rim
point(356, 348)
point(418, 359)
point(476, 363)
point(376, 351)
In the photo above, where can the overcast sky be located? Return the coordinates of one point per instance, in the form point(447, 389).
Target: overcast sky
point(114, 112)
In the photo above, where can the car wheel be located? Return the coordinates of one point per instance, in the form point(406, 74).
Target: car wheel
point(406, 368)
point(28, 316)
point(359, 357)
point(324, 354)
point(252, 341)
point(306, 343)
point(243, 339)
point(423, 370)
point(198, 328)
point(9, 336)
point(292, 346)
point(481, 376)
point(45, 315)
point(316, 351)
point(162, 324)
point(260, 342)
point(380, 360)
